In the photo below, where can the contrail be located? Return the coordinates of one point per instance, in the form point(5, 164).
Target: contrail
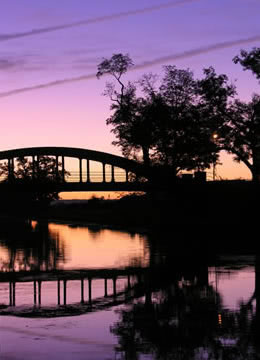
point(6, 37)
point(47, 85)
point(197, 51)
point(144, 65)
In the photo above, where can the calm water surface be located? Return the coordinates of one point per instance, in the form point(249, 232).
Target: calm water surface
point(139, 296)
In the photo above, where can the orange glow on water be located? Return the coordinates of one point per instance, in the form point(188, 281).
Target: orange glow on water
point(100, 248)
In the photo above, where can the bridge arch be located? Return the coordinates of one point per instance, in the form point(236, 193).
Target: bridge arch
point(129, 166)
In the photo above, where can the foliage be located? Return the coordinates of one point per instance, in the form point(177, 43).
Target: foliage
point(243, 133)
point(43, 171)
point(242, 126)
point(169, 125)
point(249, 61)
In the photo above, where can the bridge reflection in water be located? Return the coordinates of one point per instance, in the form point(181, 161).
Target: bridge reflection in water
point(131, 276)
point(134, 282)
point(174, 305)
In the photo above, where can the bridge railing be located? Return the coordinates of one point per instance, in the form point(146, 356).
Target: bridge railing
point(96, 176)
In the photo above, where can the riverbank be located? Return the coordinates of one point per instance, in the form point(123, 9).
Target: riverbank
point(189, 205)
point(221, 203)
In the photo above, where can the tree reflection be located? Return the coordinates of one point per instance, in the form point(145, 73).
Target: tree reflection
point(186, 320)
point(30, 248)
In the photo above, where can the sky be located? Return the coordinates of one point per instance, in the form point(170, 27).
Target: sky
point(49, 52)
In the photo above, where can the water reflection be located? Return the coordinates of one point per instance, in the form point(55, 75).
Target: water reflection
point(30, 246)
point(186, 319)
point(47, 246)
point(176, 302)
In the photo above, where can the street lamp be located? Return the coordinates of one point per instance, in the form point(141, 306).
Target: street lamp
point(214, 138)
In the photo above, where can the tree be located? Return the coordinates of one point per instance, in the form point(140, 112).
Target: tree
point(243, 134)
point(129, 127)
point(196, 109)
point(242, 128)
point(27, 172)
point(249, 61)
point(170, 125)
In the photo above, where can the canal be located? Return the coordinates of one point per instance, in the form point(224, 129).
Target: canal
point(72, 291)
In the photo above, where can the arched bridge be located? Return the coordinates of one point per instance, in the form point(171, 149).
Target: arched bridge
point(114, 173)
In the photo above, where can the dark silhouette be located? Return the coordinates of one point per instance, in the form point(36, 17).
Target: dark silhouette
point(242, 134)
point(185, 319)
point(171, 126)
point(30, 249)
point(249, 61)
point(43, 170)
point(40, 179)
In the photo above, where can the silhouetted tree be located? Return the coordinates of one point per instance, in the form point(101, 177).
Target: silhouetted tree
point(242, 134)
point(43, 172)
point(129, 126)
point(170, 125)
point(249, 61)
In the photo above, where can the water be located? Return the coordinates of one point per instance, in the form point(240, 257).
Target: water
point(94, 293)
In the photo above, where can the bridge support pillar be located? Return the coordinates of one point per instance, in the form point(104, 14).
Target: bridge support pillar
point(63, 168)
point(113, 173)
point(88, 171)
point(80, 170)
point(104, 172)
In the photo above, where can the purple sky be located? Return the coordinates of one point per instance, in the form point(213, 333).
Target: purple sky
point(45, 41)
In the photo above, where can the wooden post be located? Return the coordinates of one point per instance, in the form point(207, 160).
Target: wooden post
point(114, 286)
point(13, 293)
point(10, 293)
point(39, 292)
point(105, 287)
point(89, 291)
point(34, 293)
point(64, 292)
point(58, 291)
point(82, 290)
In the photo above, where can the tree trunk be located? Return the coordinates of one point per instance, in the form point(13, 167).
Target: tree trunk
point(146, 157)
point(256, 165)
